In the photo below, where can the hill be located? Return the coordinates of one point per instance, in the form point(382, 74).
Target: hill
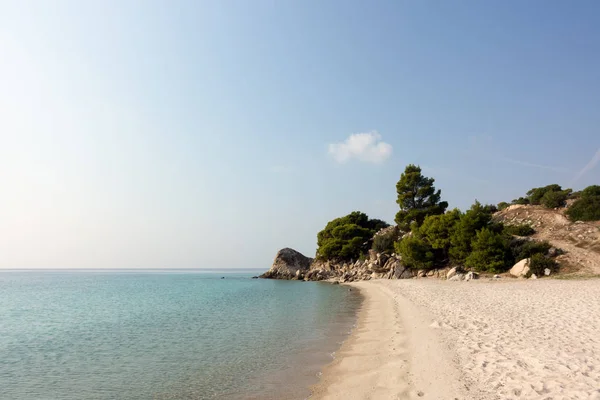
point(579, 240)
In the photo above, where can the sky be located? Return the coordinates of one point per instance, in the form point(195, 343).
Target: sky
point(210, 134)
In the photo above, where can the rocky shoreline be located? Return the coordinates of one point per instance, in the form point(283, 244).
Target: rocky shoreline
point(290, 264)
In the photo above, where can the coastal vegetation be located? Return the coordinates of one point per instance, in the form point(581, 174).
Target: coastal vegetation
point(348, 237)
point(587, 207)
point(427, 236)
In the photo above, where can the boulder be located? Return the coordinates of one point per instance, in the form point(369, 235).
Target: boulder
point(521, 268)
point(451, 273)
point(400, 271)
point(547, 271)
point(471, 275)
point(421, 273)
point(533, 276)
point(457, 277)
point(288, 264)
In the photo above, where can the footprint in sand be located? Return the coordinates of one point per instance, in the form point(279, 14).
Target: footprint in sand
point(439, 325)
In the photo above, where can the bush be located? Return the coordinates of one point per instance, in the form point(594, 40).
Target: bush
point(489, 252)
point(539, 262)
point(475, 219)
point(348, 237)
point(591, 191)
point(384, 243)
point(535, 195)
point(585, 209)
point(502, 205)
point(521, 200)
point(555, 199)
point(519, 230)
point(526, 249)
point(415, 252)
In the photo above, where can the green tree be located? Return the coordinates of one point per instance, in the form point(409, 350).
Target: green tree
point(437, 231)
point(554, 199)
point(347, 237)
point(591, 191)
point(587, 208)
point(384, 242)
point(502, 205)
point(521, 200)
point(489, 252)
point(417, 198)
point(415, 252)
point(475, 219)
point(535, 195)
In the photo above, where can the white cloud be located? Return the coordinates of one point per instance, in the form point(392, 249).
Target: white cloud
point(589, 166)
point(366, 147)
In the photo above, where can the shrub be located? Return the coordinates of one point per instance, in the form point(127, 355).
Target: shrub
point(519, 230)
point(475, 219)
point(521, 200)
point(415, 252)
point(384, 243)
point(347, 237)
point(489, 252)
point(526, 249)
point(591, 191)
point(539, 262)
point(585, 209)
point(555, 199)
point(502, 205)
point(535, 195)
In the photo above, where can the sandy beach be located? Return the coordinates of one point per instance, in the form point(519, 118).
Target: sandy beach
point(508, 339)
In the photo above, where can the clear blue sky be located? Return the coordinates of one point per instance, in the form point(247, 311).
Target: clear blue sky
point(211, 134)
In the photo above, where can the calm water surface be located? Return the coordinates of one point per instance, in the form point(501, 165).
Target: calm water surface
point(165, 334)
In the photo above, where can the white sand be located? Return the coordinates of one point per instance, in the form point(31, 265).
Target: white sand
point(431, 339)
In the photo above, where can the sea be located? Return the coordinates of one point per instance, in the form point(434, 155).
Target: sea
point(166, 334)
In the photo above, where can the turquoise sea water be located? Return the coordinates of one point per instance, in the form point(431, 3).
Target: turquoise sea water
point(165, 334)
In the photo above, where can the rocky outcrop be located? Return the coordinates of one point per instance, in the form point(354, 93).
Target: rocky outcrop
point(292, 265)
point(289, 264)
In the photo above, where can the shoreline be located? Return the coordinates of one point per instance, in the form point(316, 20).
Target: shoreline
point(391, 354)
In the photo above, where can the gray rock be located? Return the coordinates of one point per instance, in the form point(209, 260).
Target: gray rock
point(451, 273)
point(288, 264)
point(457, 277)
point(547, 271)
point(471, 275)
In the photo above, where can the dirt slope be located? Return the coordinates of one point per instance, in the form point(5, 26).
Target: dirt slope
point(579, 240)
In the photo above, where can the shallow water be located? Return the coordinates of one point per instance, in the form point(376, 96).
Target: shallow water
point(165, 334)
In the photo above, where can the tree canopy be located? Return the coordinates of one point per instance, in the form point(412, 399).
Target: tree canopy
point(587, 207)
point(347, 237)
point(417, 198)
